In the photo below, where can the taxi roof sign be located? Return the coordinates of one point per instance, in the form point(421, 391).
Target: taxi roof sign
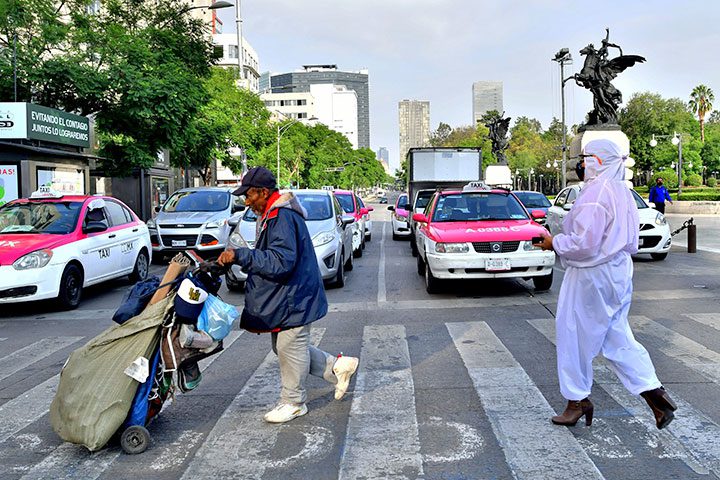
point(46, 192)
point(475, 186)
point(328, 187)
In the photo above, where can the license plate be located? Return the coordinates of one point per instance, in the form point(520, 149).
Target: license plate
point(179, 243)
point(497, 264)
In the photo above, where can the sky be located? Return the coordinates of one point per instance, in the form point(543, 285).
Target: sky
point(435, 49)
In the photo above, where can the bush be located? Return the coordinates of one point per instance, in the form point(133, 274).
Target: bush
point(700, 197)
point(668, 175)
point(712, 182)
point(693, 180)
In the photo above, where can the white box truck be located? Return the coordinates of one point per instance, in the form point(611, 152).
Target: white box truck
point(430, 168)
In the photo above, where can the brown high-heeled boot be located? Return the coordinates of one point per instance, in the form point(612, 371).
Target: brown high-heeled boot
point(661, 405)
point(574, 411)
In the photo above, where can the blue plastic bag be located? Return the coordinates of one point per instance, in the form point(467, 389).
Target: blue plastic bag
point(217, 317)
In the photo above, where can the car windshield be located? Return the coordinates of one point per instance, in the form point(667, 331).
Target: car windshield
point(639, 200)
point(469, 207)
point(533, 199)
point(317, 206)
point(402, 200)
point(198, 201)
point(39, 217)
point(423, 198)
point(346, 202)
point(249, 215)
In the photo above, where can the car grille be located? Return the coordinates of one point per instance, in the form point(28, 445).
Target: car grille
point(651, 241)
point(646, 226)
point(505, 247)
point(190, 239)
point(180, 225)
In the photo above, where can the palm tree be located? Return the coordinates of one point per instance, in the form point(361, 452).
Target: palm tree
point(700, 103)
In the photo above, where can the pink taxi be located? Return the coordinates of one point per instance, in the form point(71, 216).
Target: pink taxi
point(51, 246)
point(480, 232)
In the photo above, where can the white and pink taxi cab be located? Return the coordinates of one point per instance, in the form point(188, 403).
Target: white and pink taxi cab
point(480, 232)
point(53, 245)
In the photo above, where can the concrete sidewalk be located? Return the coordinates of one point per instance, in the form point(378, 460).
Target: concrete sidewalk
point(708, 230)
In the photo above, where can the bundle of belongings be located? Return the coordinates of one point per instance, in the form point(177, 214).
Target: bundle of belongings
point(123, 377)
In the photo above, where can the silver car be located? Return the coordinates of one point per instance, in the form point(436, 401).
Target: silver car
point(193, 218)
point(329, 228)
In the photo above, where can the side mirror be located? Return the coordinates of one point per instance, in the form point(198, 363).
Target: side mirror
point(347, 220)
point(407, 206)
point(567, 206)
point(234, 220)
point(391, 208)
point(420, 218)
point(537, 214)
point(370, 209)
point(95, 227)
point(237, 208)
point(364, 211)
point(157, 208)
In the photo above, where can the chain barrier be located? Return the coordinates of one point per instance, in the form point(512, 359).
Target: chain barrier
point(685, 225)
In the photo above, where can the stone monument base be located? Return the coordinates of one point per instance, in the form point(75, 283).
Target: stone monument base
point(588, 134)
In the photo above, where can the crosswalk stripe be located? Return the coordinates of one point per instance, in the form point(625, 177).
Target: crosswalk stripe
point(74, 461)
point(26, 356)
point(693, 355)
point(694, 438)
point(682, 294)
point(236, 446)
point(517, 411)
point(432, 304)
point(709, 319)
point(382, 439)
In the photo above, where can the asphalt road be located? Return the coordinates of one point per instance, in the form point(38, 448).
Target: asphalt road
point(458, 385)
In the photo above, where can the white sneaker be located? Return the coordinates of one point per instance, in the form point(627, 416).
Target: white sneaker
point(344, 369)
point(284, 412)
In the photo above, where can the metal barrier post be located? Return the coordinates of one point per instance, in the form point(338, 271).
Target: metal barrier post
point(692, 238)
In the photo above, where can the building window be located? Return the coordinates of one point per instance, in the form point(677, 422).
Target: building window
point(302, 115)
point(302, 102)
point(232, 51)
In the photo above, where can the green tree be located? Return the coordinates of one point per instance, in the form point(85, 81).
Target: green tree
point(700, 103)
point(439, 136)
point(137, 65)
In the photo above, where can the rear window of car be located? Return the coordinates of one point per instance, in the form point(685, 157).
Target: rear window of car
point(197, 201)
point(346, 202)
point(318, 207)
point(402, 200)
point(470, 207)
point(533, 199)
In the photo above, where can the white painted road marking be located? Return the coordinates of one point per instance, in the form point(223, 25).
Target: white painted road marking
point(695, 440)
point(518, 413)
point(26, 356)
point(469, 440)
point(237, 445)
point(382, 439)
point(709, 319)
point(382, 291)
point(74, 461)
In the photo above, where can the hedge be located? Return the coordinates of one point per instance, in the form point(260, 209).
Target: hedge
point(712, 182)
point(700, 196)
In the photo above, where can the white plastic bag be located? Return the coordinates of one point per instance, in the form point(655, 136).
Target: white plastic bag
point(217, 317)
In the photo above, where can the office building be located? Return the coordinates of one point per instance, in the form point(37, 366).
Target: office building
point(229, 59)
point(414, 122)
point(486, 96)
point(301, 81)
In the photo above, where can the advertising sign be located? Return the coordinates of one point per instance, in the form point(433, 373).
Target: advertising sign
point(8, 183)
point(29, 121)
point(69, 181)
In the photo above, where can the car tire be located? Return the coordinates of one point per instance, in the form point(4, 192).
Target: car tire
point(432, 284)
point(420, 266)
point(359, 252)
point(659, 256)
point(142, 268)
point(362, 243)
point(339, 280)
point(368, 237)
point(543, 283)
point(234, 285)
point(396, 237)
point(350, 264)
point(71, 284)
point(413, 247)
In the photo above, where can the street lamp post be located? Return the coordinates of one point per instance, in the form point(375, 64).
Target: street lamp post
point(675, 139)
point(280, 131)
point(541, 177)
point(241, 55)
point(562, 57)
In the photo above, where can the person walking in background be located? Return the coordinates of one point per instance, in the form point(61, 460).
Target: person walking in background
point(658, 195)
point(599, 235)
point(284, 293)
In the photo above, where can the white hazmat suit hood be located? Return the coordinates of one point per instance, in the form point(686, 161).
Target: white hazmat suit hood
point(599, 234)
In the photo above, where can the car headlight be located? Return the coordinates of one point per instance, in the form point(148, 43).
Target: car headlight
point(660, 219)
point(322, 238)
point(236, 241)
point(36, 259)
point(451, 247)
point(216, 224)
point(528, 246)
point(151, 224)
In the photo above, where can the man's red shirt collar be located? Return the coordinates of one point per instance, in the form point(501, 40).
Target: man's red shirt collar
point(271, 200)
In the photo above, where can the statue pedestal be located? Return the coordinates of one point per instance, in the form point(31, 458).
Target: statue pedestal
point(588, 134)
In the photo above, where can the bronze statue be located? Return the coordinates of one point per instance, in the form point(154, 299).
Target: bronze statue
point(498, 136)
point(596, 75)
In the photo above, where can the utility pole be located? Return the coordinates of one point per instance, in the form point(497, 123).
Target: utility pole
point(562, 57)
point(238, 29)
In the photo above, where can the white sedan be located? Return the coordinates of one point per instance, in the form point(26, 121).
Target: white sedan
point(654, 238)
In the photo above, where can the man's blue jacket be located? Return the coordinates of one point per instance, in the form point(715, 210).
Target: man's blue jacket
point(284, 288)
point(658, 194)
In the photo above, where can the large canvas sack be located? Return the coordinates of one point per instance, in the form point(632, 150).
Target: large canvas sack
point(95, 394)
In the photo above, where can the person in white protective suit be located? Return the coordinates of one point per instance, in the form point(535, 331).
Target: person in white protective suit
point(598, 236)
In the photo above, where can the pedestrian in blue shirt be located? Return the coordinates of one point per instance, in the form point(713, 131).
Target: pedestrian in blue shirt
point(658, 195)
